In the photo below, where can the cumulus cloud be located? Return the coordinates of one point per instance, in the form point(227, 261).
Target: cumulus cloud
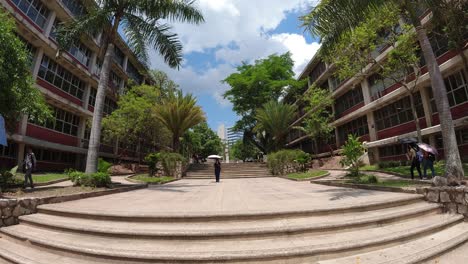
point(235, 31)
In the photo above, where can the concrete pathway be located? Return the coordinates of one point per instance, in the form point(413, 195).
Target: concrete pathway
point(115, 179)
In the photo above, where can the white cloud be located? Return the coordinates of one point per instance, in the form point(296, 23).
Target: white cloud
point(236, 30)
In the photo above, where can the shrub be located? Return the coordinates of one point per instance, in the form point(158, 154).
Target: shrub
point(98, 179)
point(103, 166)
point(368, 179)
point(352, 151)
point(170, 162)
point(152, 159)
point(7, 178)
point(286, 161)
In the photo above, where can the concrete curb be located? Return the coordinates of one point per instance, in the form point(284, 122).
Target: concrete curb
point(51, 182)
point(306, 179)
point(395, 174)
point(364, 186)
point(130, 179)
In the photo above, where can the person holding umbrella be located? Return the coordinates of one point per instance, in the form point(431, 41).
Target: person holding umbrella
point(217, 166)
point(429, 154)
point(415, 156)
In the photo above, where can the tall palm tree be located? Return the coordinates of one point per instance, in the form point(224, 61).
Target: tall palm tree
point(143, 26)
point(179, 113)
point(331, 19)
point(274, 120)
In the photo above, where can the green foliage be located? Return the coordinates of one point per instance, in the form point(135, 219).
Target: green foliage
point(303, 159)
point(281, 162)
point(307, 175)
point(393, 163)
point(153, 180)
point(7, 178)
point(18, 96)
point(273, 123)
point(170, 162)
point(95, 180)
point(201, 140)
point(133, 121)
point(255, 84)
point(243, 150)
point(367, 179)
point(178, 113)
point(352, 151)
point(152, 159)
point(104, 166)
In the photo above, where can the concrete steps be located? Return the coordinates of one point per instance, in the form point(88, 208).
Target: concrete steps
point(228, 171)
point(58, 235)
point(458, 254)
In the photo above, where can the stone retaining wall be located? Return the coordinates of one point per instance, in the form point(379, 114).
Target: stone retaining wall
point(454, 199)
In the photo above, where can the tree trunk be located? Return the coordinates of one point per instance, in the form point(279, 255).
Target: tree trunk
point(415, 116)
point(453, 165)
point(95, 137)
point(175, 143)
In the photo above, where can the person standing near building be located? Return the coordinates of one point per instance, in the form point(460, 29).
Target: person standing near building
point(415, 157)
point(29, 165)
point(217, 167)
point(428, 161)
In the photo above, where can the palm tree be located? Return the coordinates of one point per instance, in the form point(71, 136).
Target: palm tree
point(179, 113)
point(141, 22)
point(331, 19)
point(274, 120)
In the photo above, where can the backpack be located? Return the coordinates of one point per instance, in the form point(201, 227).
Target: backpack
point(431, 157)
point(419, 156)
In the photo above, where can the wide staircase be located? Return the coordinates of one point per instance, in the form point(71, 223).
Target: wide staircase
point(399, 230)
point(228, 170)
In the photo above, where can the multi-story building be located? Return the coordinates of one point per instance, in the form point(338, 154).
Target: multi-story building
point(69, 81)
point(233, 136)
point(379, 110)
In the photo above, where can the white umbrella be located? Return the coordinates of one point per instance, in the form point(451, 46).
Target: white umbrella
point(214, 157)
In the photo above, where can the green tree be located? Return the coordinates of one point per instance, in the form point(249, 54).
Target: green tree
point(273, 124)
point(331, 20)
point(352, 152)
point(178, 113)
point(243, 150)
point(144, 25)
point(18, 96)
point(162, 80)
point(133, 122)
point(202, 140)
point(256, 84)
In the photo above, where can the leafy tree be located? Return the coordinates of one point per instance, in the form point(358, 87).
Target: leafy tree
point(18, 96)
point(352, 152)
point(331, 20)
point(178, 113)
point(162, 80)
point(133, 122)
point(256, 84)
point(273, 124)
point(202, 140)
point(319, 116)
point(243, 150)
point(143, 23)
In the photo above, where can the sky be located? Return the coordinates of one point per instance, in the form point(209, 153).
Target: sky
point(235, 31)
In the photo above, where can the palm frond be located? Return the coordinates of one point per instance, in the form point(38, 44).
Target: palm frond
point(175, 10)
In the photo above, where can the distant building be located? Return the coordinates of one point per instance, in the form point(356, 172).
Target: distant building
point(233, 136)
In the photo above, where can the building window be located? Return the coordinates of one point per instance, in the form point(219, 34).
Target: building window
point(30, 48)
point(64, 122)
point(114, 82)
point(462, 137)
point(119, 56)
point(53, 31)
point(75, 7)
point(109, 106)
point(317, 72)
point(9, 151)
point(348, 100)
point(47, 155)
point(80, 52)
point(92, 97)
point(356, 127)
point(335, 82)
point(393, 150)
point(35, 10)
point(97, 68)
point(133, 73)
point(457, 90)
point(56, 75)
point(377, 85)
point(398, 112)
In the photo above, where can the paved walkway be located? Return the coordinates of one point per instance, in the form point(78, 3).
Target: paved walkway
point(115, 179)
point(229, 196)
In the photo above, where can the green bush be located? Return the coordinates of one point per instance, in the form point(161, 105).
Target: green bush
point(7, 178)
point(152, 159)
point(103, 166)
point(393, 163)
point(365, 179)
point(169, 162)
point(98, 179)
point(286, 161)
point(352, 151)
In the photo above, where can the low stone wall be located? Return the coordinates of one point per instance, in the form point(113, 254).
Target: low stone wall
point(454, 199)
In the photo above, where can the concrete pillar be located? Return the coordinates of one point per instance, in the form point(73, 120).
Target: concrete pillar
point(37, 63)
point(125, 63)
point(81, 131)
point(92, 63)
point(86, 94)
point(50, 23)
point(23, 125)
point(366, 91)
point(371, 125)
point(426, 106)
point(20, 155)
point(337, 136)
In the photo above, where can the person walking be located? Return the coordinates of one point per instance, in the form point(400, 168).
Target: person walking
point(415, 157)
point(429, 159)
point(217, 167)
point(29, 165)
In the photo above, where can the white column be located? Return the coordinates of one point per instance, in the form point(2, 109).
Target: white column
point(81, 131)
point(86, 95)
point(50, 23)
point(426, 106)
point(366, 91)
point(37, 63)
point(125, 63)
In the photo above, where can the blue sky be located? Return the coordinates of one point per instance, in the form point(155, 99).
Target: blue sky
point(236, 31)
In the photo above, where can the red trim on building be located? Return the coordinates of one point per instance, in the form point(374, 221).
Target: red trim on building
point(401, 129)
point(77, 61)
point(57, 91)
point(350, 110)
point(458, 111)
point(91, 108)
point(49, 135)
point(21, 13)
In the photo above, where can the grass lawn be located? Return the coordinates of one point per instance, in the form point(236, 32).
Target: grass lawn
point(405, 170)
point(372, 180)
point(45, 177)
point(147, 179)
point(307, 175)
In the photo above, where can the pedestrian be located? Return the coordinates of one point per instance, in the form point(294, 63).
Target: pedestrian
point(217, 167)
point(29, 164)
point(429, 159)
point(415, 157)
